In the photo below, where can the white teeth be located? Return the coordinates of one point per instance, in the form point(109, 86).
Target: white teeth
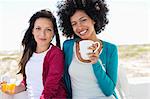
point(83, 32)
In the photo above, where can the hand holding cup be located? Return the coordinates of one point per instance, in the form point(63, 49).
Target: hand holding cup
point(87, 50)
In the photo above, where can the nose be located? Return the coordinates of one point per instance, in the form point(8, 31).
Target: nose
point(79, 26)
point(42, 33)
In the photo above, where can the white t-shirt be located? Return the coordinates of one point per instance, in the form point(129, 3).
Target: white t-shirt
point(34, 70)
point(83, 81)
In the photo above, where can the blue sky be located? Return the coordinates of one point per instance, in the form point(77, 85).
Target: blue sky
point(129, 21)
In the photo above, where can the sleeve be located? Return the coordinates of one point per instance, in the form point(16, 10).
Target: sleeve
point(23, 82)
point(66, 76)
point(54, 76)
point(107, 79)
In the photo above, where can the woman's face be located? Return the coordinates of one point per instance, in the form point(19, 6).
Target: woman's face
point(43, 32)
point(83, 25)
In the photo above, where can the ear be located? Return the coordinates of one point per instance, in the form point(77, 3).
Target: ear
point(32, 32)
point(51, 38)
point(93, 22)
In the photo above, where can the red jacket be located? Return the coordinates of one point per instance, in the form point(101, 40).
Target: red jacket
point(53, 68)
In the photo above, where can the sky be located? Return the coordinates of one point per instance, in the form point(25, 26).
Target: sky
point(129, 21)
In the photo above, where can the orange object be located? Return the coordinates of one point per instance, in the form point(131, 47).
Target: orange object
point(11, 88)
point(4, 87)
point(8, 87)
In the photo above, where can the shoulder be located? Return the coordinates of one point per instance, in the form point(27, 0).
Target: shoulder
point(68, 42)
point(54, 50)
point(54, 53)
point(109, 46)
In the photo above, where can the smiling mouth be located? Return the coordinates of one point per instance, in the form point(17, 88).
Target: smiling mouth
point(83, 32)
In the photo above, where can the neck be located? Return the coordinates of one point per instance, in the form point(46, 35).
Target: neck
point(93, 37)
point(41, 49)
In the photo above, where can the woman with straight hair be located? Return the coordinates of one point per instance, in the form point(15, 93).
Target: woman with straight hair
point(42, 63)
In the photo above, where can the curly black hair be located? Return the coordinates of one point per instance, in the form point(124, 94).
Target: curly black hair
point(95, 9)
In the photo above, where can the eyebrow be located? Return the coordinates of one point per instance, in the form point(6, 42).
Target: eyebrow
point(82, 17)
point(79, 18)
point(41, 26)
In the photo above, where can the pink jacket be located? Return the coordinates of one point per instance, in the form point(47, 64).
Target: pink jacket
point(53, 68)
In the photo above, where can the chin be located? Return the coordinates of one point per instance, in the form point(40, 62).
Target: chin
point(85, 38)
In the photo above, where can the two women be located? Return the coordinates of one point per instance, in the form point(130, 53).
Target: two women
point(42, 62)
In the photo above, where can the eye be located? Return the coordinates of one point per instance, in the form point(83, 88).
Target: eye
point(49, 30)
point(37, 28)
point(83, 20)
point(73, 24)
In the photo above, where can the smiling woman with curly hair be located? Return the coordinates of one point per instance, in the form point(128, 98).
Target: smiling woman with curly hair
point(95, 77)
point(95, 9)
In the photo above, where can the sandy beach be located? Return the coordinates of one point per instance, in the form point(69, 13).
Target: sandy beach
point(134, 78)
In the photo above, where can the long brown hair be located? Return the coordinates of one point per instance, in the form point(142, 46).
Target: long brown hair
point(29, 44)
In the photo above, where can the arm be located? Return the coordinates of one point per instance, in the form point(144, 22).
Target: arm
point(20, 88)
point(16, 89)
point(54, 77)
point(107, 80)
point(68, 50)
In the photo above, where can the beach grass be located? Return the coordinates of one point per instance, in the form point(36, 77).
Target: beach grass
point(135, 58)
